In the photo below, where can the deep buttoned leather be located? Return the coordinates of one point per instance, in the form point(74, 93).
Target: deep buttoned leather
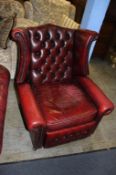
point(51, 52)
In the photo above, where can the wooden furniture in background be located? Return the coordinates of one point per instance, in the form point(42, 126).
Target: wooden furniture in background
point(80, 6)
point(107, 37)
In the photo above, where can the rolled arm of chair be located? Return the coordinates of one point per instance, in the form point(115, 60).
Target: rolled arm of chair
point(83, 41)
point(105, 106)
point(32, 115)
point(31, 112)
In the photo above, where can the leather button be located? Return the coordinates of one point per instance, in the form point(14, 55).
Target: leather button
point(43, 44)
point(71, 135)
point(64, 137)
point(53, 59)
point(47, 36)
point(43, 76)
point(37, 36)
point(52, 43)
point(62, 43)
point(63, 60)
point(62, 74)
point(38, 70)
point(57, 36)
point(58, 51)
point(52, 75)
point(37, 54)
point(56, 139)
point(67, 36)
point(54, 67)
point(48, 52)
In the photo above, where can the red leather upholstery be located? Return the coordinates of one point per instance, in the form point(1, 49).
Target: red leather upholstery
point(62, 106)
point(58, 101)
point(51, 54)
point(4, 82)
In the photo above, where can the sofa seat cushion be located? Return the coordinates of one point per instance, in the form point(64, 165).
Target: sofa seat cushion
point(64, 105)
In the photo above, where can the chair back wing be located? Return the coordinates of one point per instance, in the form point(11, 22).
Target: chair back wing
point(24, 57)
point(83, 41)
point(51, 53)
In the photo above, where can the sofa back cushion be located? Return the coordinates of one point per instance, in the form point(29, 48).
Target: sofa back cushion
point(5, 28)
point(51, 54)
point(9, 9)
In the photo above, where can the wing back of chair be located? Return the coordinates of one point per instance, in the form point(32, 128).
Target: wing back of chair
point(83, 40)
point(50, 53)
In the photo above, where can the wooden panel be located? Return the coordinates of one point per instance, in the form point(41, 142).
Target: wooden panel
point(107, 30)
point(80, 6)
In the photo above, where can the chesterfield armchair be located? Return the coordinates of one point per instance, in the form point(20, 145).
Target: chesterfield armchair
point(4, 82)
point(58, 101)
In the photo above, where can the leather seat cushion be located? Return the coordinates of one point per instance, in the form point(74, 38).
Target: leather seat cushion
point(64, 105)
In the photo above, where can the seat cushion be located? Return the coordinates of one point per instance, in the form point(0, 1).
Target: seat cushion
point(64, 105)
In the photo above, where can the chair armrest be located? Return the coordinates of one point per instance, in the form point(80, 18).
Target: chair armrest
point(31, 113)
point(105, 106)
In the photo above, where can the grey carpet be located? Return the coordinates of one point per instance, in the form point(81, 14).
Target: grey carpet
point(97, 163)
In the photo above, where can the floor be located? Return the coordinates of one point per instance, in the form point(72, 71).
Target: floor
point(17, 144)
point(95, 163)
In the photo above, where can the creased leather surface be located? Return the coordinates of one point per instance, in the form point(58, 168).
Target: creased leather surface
point(69, 134)
point(64, 105)
point(103, 103)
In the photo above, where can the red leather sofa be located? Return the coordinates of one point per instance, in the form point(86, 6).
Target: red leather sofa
point(4, 82)
point(58, 101)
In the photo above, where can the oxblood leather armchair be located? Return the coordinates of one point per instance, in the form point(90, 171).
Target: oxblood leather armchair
point(58, 101)
point(4, 82)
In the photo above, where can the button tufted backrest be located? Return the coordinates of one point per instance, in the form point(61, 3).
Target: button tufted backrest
point(51, 54)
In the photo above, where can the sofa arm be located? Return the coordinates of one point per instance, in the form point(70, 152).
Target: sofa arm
point(105, 106)
point(31, 112)
point(32, 115)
